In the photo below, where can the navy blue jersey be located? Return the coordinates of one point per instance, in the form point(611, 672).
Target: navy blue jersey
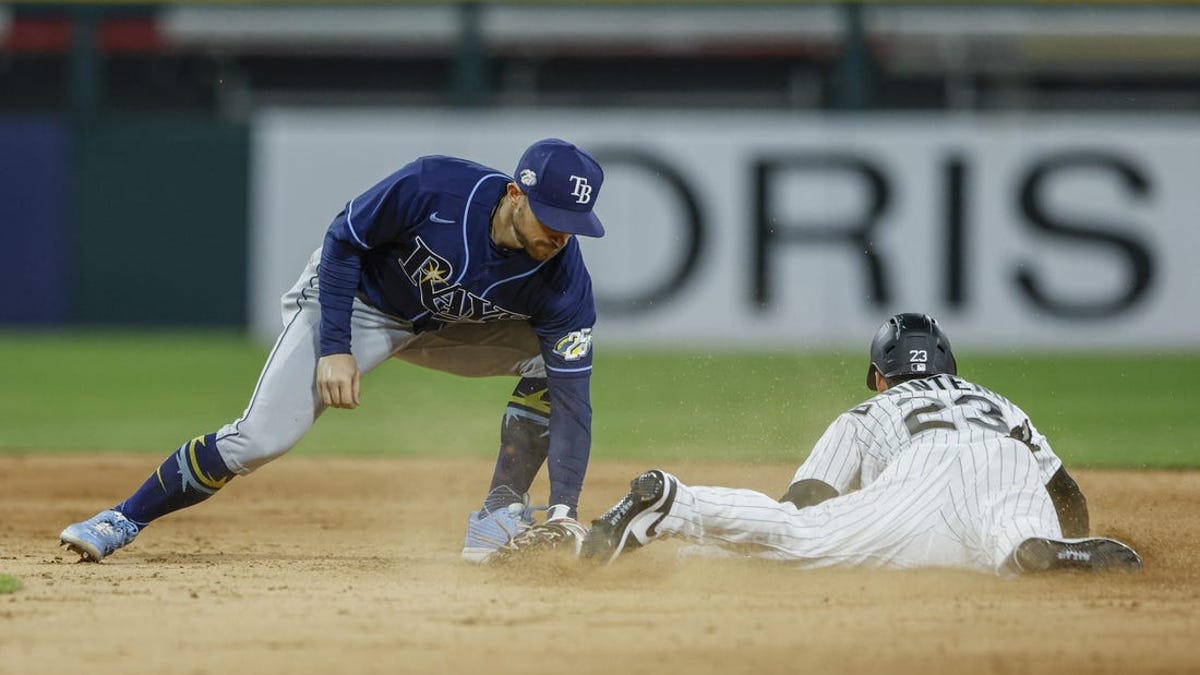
point(418, 246)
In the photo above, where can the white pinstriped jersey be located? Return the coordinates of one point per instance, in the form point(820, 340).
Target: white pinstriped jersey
point(939, 411)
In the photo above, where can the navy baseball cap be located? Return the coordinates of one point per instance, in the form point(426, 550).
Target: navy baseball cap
point(562, 183)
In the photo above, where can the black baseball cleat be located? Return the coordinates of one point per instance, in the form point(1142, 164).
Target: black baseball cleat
point(1097, 554)
point(633, 521)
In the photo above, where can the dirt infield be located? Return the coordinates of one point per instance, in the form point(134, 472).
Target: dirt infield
point(351, 566)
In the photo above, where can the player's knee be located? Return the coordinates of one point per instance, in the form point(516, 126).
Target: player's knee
point(246, 447)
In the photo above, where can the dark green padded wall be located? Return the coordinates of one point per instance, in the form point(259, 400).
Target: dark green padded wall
point(160, 223)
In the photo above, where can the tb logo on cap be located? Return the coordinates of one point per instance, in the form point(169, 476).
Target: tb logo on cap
point(582, 192)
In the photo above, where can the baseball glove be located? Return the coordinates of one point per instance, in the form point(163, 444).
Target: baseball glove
point(558, 536)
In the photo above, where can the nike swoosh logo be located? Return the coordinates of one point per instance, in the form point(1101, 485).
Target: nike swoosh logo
point(653, 529)
point(434, 218)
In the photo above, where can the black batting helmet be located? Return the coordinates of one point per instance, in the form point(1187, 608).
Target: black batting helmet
point(910, 344)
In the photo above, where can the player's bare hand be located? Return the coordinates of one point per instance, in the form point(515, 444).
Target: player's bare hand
point(338, 380)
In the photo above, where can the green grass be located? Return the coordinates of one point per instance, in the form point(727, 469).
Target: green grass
point(9, 584)
point(85, 392)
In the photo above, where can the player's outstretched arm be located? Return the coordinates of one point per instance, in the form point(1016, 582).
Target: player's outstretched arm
point(338, 380)
point(1070, 504)
point(809, 492)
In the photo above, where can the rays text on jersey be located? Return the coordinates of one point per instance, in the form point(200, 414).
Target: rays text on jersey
point(446, 301)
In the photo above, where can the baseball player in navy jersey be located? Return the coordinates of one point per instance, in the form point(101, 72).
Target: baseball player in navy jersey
point(450, 265)
point(934, 470)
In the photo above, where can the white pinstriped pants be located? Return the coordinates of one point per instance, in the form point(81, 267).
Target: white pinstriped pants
point(964, 506)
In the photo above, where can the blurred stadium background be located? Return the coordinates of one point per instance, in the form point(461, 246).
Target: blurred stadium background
point(782, 176)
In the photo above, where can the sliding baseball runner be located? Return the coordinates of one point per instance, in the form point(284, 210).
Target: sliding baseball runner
point(934, 470)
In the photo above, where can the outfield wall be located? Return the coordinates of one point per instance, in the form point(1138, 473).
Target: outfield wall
point(129, 220)
point(33, 232)
point(771, 230)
